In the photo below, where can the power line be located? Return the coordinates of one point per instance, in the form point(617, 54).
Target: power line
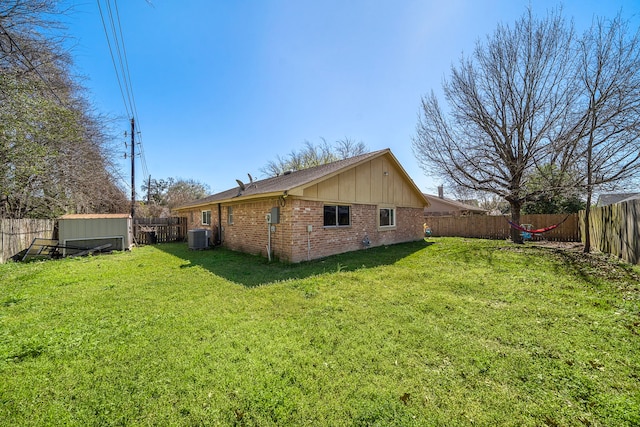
point(132, 100)
point(124, 69)
point(117, 50)
point(113, 60)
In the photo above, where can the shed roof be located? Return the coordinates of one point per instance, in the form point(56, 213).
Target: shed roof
point(95, 216)
point(292, 180)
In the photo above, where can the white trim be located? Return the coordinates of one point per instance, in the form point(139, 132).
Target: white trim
point(202, 212)
point(394, 216)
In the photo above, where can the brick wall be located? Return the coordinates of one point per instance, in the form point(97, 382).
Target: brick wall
point(249, 232)
point(324, 241)
point(194, 220)
point(292, 242)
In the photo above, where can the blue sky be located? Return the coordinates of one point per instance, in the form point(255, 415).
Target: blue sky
point(222, 87)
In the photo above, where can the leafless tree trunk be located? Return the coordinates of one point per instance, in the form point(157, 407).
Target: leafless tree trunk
point(608, 128)
point(508, 106)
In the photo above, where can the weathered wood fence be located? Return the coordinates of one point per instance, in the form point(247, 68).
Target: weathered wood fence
point(615, 229)
point(148, 231)
point(17, 234)
point(497, 227)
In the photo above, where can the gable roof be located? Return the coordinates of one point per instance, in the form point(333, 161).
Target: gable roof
point(453, 204)
point(607, 199)
point(291, 181)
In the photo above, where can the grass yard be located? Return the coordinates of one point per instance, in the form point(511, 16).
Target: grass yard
point(440, 333)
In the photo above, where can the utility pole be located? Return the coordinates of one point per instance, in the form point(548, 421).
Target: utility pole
point(133, 169)
point(149, 191)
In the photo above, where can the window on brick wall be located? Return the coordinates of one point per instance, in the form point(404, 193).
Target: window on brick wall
point(337, 216)
point(387, 217)
point(206, 217)
point(229, 214)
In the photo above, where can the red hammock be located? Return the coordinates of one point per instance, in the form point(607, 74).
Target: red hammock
point(539, 230)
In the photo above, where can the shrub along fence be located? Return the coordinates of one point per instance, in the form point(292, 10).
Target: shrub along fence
point(615, 229)
point(17, 234)
point(497, 227)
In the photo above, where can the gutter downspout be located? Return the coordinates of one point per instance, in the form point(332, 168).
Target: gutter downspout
point(269, 241)
point(219, 242)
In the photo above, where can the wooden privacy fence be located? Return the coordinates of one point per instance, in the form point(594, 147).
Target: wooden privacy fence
point(17, 234)
point(147, 231)
point(615, 229)
point(497, 227)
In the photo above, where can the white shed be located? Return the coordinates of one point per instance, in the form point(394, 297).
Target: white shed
point(85, 231)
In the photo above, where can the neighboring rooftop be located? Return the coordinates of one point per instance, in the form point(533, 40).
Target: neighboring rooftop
point(607, 199)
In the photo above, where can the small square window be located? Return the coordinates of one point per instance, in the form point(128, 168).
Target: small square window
point(387, 217)
point(330, 216)
point(337, 216)
point(206, 217)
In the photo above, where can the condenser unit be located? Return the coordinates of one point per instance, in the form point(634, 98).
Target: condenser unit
point(198, 239)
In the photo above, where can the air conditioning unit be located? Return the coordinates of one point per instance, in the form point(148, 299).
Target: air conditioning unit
point(198, 239)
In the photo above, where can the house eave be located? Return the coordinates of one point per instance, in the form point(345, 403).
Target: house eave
point(230, 200)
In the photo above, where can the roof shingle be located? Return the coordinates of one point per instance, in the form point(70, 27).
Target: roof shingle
point(286, 181)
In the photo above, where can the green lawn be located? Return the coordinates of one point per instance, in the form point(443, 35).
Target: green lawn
point(446, 332)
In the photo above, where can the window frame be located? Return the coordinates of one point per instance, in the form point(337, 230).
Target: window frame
point(230, 215)
point(202, 217)
point(336, 223)
point(392, 215)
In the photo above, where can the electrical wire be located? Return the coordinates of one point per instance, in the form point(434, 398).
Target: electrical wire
point(113, 60)
point(113, 32)
point(132, 100)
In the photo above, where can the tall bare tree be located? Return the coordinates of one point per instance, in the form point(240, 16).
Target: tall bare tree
point(314, 155)
point(54, 147)
point(608, 125)
point(508, 106)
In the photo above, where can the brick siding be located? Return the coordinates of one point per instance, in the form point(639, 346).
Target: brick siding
point(324, 241)
point(292, 242)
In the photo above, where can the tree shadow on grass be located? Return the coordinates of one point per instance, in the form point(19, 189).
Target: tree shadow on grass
point(250, 270)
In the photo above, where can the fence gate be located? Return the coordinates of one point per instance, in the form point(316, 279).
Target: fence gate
point(149, 231)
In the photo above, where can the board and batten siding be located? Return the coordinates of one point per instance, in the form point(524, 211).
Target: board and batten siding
point(374, 182)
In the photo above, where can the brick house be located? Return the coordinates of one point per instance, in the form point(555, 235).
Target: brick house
point(442, 206)
point(350, 204)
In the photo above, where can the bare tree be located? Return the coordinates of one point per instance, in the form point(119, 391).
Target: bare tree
point(509, 107)
point(185, 190)
point(54, 147)
point(166, 194)
point(347, 147)
point(608, 126)
point(314, 155)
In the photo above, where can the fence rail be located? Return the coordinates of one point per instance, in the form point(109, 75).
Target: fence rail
point(17, 234)
point(147, 231)
point(497, 227)
point(615, 229)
